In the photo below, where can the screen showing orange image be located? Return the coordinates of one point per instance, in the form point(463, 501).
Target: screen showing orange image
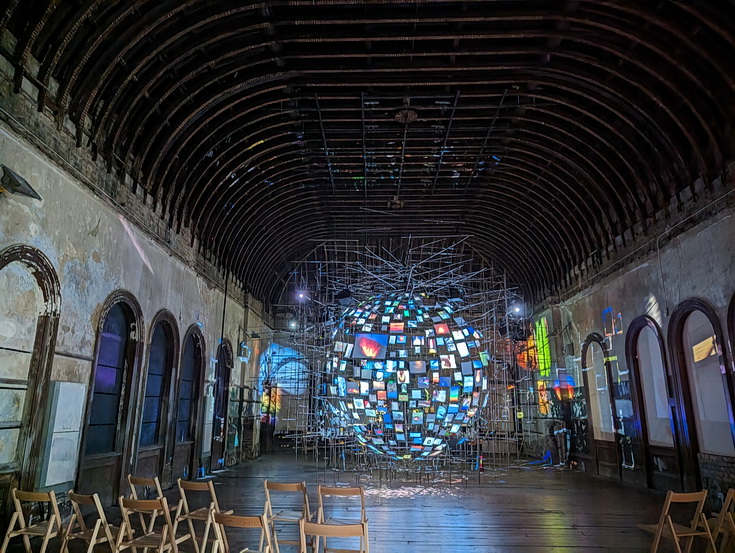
point(396, 327)
point(441, 328)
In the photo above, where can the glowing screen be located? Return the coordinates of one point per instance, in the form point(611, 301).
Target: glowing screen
point(370, 346)
point(413, 382)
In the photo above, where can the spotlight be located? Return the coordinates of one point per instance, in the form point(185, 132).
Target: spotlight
point(301, 295)
point(292, 324)
point(516, 309)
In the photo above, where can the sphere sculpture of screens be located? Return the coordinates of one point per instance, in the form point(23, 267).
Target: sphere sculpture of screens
point(406, 376)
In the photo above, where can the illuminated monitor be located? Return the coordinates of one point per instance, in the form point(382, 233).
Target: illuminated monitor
point(370, 346)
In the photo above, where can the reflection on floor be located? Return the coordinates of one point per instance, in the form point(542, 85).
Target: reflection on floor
point(527, 509)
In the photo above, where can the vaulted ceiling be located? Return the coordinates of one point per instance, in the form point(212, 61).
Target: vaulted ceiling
point(550, 133)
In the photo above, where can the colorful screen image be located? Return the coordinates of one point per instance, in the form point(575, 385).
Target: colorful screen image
point(370, 346)
point(396, 327)
point(417, 367)
point(448, 361)
point(441, 328)
point(439, 396)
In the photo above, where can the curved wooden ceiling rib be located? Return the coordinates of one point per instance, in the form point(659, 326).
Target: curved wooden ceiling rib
point(247, 120)
point(250, 220)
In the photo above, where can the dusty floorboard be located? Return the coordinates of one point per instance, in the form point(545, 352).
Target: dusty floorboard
point(527, 509)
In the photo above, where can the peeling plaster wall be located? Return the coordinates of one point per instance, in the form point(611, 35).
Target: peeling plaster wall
point(95, 251)
point(698, 263)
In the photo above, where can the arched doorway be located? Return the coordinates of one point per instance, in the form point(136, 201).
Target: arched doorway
point(187, 446)
point(221, 394)
point(157, 398)
point(596, 370)
point(654, 404)
point(29, 316)
point(107, 444)
point(703, 388)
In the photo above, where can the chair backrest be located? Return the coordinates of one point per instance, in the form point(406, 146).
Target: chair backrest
point(721, 522)
point(19, 497)
point(696, 499)
point(208, 487)
point(87, 501)
point(286, 487)
point(318, 530)
point(235, 521)
point(149, 485)
point(151, 508)
point(327, 491)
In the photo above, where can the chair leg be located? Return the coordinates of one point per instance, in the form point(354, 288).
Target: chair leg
point(193, 535)
point(274, 536)
point(69, 528)
point(47, 536)
point(11, 527)
point(205, 536)
point(656, 541)
point(93, 537)
point(27, 543)
point(706, 527)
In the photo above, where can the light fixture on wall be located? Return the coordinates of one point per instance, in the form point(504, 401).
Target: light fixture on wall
point(15, 184)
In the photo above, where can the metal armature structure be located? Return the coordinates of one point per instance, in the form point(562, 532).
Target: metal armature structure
point(345, 273)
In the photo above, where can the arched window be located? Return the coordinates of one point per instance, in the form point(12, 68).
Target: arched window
point(187, 445)
point(20, 304)
point(30, 302)
point(157, 386)
point(107, 442)
point(109, 382)
point(649, 364)
point(599, 392)
point(702, 353)
point(191, 365)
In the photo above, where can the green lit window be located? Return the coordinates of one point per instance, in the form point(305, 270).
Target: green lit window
point(541, 336)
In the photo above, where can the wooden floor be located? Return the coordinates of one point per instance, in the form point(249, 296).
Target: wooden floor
point(527, 509)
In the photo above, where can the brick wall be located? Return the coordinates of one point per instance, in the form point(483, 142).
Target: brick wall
point(718, 474)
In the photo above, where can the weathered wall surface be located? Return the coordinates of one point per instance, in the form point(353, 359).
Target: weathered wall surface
point(698, 263)
point(95, 251)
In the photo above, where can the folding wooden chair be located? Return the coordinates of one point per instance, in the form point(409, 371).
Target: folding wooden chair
point(288, 515)
point(358, 511)
point(161, 540)
point(695, 527)
point(343, 504)
point(144, 488)
point(719, 523)
point(203, 514)
point(233, 521)
point(315, 531)
point(44, 528)
point(102, 532)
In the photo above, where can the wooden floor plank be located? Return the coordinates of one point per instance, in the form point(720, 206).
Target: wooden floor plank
point(527, 509)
